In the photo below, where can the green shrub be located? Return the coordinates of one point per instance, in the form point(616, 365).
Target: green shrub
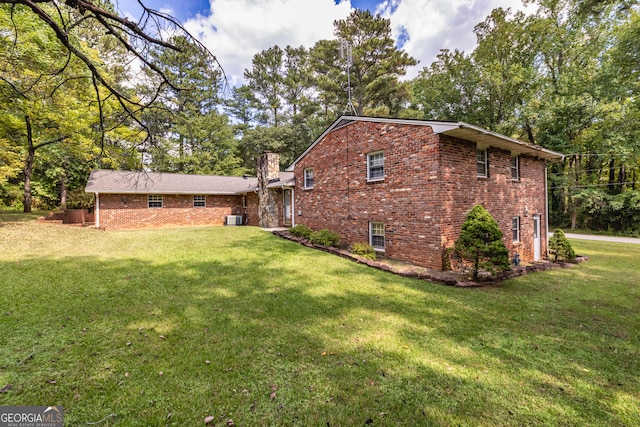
point(300, 230)
point(447, 252)
point(79, 199)
point(364, 250)
point(559, 247)
point(325, 237)
point(481, 244)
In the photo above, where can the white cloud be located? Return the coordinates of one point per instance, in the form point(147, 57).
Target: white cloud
point(432, 25)
point(236, 30)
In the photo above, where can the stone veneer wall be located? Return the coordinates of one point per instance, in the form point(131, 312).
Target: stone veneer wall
point(268, 171)
point(430, 184)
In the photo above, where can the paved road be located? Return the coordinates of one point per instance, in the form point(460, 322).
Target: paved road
point(602, 238)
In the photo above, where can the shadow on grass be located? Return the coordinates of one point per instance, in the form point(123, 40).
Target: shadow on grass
point(266, 332)
point(11, 216)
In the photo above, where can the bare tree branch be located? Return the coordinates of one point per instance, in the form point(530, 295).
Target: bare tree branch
point(152, 32)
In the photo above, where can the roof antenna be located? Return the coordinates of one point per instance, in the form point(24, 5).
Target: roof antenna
point(346, 55)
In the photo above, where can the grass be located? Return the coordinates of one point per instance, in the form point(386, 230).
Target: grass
point(169, 326)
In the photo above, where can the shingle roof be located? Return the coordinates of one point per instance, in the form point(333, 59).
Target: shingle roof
point(141, 182)
point(287, 179)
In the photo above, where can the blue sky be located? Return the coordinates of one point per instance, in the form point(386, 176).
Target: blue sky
point(235, 30)
point(187, 9)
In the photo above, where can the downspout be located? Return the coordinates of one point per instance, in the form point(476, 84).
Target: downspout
point(97, 210)
point(546, 215)
point(293, 207)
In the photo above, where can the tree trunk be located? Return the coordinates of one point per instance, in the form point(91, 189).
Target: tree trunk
point(63, 192)
point(612, 175)
point(622, 178)
point(28, 167)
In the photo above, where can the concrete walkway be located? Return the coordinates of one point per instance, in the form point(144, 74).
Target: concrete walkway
point(615, 239)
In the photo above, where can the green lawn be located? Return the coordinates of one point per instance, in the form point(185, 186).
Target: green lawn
point(167, 327)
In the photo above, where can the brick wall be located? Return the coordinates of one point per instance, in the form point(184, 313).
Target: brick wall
point(252, 209)
point(430, 184)
point(131, 211)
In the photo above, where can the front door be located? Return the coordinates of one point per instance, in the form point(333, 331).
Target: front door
point(536, 237)
point(287, 207)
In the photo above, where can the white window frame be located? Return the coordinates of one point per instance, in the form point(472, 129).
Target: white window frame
point(244, 201)
point(376, 231)
point(515, 168)
point(153, 199)
point(308, 178)
point(375, 165)
point(201, 201)
point(515, 229)
point(482, 160)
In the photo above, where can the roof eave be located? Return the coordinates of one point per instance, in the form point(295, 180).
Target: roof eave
point(501, 141)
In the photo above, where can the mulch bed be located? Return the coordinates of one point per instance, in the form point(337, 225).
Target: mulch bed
point(448, 278)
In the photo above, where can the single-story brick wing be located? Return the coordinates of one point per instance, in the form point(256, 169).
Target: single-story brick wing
point(139, 199)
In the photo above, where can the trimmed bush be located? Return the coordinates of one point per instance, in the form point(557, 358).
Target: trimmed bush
point(301, 230)
point(364, 250)
point(481, 244)
point(325, 237)
point(559, 247)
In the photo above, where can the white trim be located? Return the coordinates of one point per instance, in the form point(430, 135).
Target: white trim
point(96, 213)
point(293, 207)
point(537, 252)
point(304, 178)
point(486, 162)
point(517, 219)
point(377, 178)
point(377, 248)
point(517, 168)
point(204, 200)
point(546, 214)
point(149, 201)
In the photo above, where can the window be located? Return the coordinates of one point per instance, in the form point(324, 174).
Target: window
point(199, 201)
point(481, 160)
point(515, 168)
point(375, 166)
point(308, 178)
point(515, 228)
point(376, 235)
point(244, 201)
point(155, 201)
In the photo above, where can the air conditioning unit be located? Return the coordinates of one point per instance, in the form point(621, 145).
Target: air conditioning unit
point(234, 220)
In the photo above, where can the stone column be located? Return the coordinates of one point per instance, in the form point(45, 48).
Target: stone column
point(268, 171)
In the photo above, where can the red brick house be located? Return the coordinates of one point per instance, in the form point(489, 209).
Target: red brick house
point(405, 186)
point(135, 199)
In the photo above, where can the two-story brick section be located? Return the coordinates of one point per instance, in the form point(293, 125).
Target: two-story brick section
point(405, 186)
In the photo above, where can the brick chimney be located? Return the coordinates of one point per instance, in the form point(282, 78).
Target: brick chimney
point(268, 171)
